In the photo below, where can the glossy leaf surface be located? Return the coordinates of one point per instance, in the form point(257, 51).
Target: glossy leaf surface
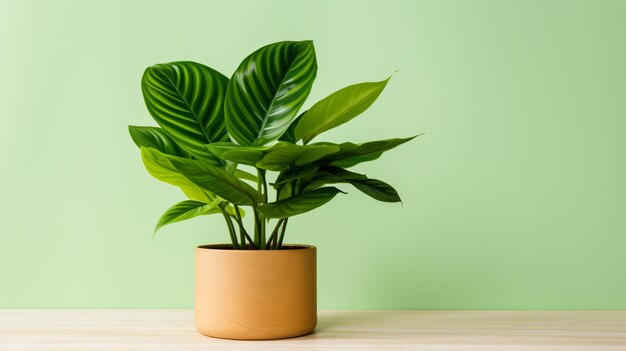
point(156, 138)
point(337, 109)
point(286, 177)
point(352, 154)
point(267, 89)
point(216, 180)
point(375, 188)
point(290, 134)
point(299, 204)
point(160, 167)
point(186, 210)
point(187, 100)
point(286, 155)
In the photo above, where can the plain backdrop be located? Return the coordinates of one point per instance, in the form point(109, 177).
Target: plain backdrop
point(515, 198)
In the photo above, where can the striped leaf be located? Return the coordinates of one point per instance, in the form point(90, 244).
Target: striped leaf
point(337, 109)
point(156, 138)
point(186, 210)
point(267, 90)
point(186, 100)
point(299, 204)
point(217, 181)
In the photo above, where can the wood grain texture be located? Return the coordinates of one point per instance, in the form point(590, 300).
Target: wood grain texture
point(66, 330)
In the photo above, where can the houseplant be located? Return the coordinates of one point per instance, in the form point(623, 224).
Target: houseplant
point(219, 141)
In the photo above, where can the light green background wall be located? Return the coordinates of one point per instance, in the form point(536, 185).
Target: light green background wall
point(514, 199)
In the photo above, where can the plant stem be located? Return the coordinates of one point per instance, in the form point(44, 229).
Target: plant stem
point(279, 243)
point(275, 232)
point(231, 227)
point(262, 172)
point(257, 228)
point(262, 186)
point(242, 231)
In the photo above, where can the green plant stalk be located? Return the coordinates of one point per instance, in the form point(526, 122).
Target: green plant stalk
point(275, 233)
point(262, 188)
point(256, 226)
point(242, 231)
point(279, 243)
point(231, 227)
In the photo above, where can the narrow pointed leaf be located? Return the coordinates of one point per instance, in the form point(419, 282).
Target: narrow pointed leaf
point(267, 90)
point(245, 175)
point(160, 167)
point(298, 204)
point(244, 155)
point(337, 109)
point(312, 153)
point(216, 180)
point(352, 154)
point(186, 210)
point(375, 188)
point(279, 157)
point(285, 155)
point(186, 100)
point(156, 138)
point(285, 177)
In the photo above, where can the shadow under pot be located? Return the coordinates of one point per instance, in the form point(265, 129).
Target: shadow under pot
point(255, 294)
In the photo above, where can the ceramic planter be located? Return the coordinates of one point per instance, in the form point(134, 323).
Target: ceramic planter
point(255, 294)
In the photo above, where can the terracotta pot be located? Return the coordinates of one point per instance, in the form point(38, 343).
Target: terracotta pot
point(255, 294)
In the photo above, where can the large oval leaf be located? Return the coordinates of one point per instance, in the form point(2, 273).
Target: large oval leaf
point(186, 100)
point(298, 204)
point(156, 138)
point(337, 109)
point(267, 90)
point(217, 181)
point(159, 166)
point(186, 210)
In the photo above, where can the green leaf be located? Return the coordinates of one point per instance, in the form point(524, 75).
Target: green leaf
point(186, 210)
point(247, 155)
point(219, 148)
point(289, 134)
point(313, 152)
point(285, 155)
point(280, 157)
point(375, 188)
point(352, 154)
point(337, 109)
point(216, 180)
point(160, 167)
point(245, 175)
point(186, 100)
point(298, 204)
point(267, 89)
point(155, 138)
point(286, 177)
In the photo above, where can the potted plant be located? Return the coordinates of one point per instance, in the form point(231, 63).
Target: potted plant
point(239, 143)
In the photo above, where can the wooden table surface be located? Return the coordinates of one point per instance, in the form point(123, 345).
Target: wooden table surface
point(337, 330)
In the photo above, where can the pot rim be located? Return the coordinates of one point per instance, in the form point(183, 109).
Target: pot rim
point(229, 247)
